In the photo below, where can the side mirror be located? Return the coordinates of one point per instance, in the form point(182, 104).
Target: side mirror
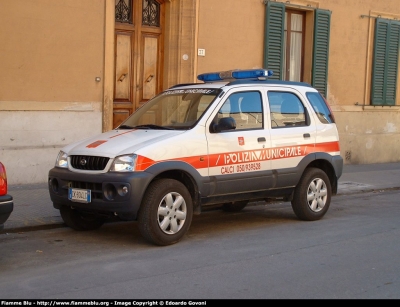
point(225, 124)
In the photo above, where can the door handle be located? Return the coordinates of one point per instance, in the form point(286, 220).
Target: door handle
point(149, 78)
point(306, 135)
point(261, 139)
point(122, 77)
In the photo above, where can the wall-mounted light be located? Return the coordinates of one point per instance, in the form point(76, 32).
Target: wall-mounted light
point(97, 79)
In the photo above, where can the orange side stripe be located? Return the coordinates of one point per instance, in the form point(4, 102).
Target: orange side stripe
point(239, 157)
point(327, 147)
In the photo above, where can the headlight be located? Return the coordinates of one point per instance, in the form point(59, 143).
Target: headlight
point(62, 159)
point(124, 164)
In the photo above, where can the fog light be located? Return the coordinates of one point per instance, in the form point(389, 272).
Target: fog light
point(53, 183)
point(123, 190)
point(109, 192)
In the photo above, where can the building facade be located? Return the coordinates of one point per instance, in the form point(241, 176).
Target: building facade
point(71, 69)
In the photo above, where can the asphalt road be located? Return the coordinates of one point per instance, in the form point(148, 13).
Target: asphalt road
point(262, 252)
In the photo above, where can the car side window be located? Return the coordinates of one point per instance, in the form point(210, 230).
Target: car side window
point(286, 110)
point(320, 107)
point(245, 108)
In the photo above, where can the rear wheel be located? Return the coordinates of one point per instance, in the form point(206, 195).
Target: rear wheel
point(235, 206)
point(79, 220)
point(166, 212)
point(312, 195)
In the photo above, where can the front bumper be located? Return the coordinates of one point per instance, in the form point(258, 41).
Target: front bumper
point(119, 193)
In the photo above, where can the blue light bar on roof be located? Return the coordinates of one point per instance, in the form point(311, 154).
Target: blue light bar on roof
point(235, 74)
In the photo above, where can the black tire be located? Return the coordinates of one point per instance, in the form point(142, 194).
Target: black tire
point(235, 206)
point(166, 212)
point(312, 195)
point(80, 221)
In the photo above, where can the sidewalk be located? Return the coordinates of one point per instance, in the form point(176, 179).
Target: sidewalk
point(33, 209)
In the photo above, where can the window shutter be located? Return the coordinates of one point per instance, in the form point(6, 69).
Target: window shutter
point(274, 38)
point(385, 62)
point(322, 24)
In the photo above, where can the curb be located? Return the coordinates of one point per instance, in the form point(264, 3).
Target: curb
point(23, 229)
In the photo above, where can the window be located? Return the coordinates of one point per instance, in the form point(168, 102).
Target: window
point(174, 109)
point(286, 110)
point(123, 11)
point(321, 108)
point(204, 103)
point(245, 108)
point(293, 55)
point(285, 37)
point(385, 62)
point(150, 12)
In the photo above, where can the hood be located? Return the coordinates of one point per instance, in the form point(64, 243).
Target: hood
point(118, 142)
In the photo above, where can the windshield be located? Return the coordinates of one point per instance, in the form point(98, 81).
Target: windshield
point(172, 109)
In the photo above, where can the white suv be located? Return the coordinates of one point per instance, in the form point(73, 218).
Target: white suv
point(234, 138)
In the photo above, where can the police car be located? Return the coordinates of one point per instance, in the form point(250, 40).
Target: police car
point(234, 138)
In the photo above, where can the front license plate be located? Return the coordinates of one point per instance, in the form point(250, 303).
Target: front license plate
point(79, 195)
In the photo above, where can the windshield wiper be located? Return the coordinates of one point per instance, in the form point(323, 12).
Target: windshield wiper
point(150, 126)
point(125, 127)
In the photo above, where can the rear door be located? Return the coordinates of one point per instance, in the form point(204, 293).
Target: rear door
point(293, 134)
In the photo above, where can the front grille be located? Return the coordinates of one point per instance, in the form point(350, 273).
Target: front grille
point(90, 163)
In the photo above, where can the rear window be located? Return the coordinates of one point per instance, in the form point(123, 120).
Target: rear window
point(287, 110)
point(320, 107)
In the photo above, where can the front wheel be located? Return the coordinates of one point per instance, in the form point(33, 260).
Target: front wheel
point(312, 195)
point(79, 220)
point(166, 212)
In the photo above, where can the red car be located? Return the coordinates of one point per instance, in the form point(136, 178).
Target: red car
point(6, 201)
